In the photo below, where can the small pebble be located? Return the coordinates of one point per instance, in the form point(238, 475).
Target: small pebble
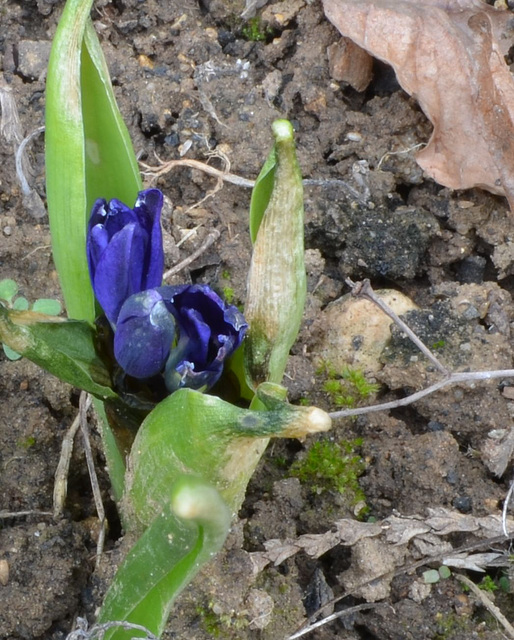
point(464, 504)
point(4, 572)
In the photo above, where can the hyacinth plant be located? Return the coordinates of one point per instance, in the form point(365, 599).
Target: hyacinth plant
point(153, 356)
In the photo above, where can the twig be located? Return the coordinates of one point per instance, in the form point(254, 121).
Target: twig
point(488, 604)
point(226, 176)
point(196, 164)
point(506, 507)
point(210, 239)
point(84, 403)
point(20, 160)
point(340, 614)
point(63, 468)
point(363, 290)
point(18, 514)
point(454, 378)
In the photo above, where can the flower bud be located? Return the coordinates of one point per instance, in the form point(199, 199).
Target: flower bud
point(276, 281)
point(185, 332)
point(144, 334)
point(124, 249)
point(208, 332)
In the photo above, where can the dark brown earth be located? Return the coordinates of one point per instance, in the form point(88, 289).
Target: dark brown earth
point(192, 78)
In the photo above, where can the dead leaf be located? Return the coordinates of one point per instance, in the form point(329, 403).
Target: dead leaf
point(396, 531)
point(448, 54)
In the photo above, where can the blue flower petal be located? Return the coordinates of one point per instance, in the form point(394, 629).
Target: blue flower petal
point(209, 332)
point(144, 335)
point(124, 249)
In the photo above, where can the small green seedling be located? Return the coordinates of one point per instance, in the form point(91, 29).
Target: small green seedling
point(433, 576)
point(347, 388)
point(256, 31)
point(9, 298)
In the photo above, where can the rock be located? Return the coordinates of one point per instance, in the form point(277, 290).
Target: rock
point(355, 331)
point(33, 58)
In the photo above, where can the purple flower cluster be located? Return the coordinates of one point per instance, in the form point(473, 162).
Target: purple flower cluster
point(183, 332)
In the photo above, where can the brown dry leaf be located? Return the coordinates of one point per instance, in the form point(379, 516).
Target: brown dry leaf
point(448, 54)
point(394, 531)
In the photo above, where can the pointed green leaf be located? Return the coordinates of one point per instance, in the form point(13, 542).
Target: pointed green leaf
point(261, 193)
point(88, 151)
point(190, 528)
point(65, 348)
point(9, 353)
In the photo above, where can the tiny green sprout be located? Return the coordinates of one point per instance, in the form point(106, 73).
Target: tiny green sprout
point(432, 576)
point(26, 443)
point(330, 466)
point(348, 388)
point(225, 274)
point(8, 294)
point(8, 290)
point(228, 295)
point(255, 31)
point(504, 584)
point(439, 344)
point(444, 572)
point(49, 306)
point(21, 304)
point(488, 584)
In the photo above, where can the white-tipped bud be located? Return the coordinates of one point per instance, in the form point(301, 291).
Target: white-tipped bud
point(276, 281)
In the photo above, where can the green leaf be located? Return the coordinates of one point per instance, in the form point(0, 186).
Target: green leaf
point(47, 305)
point(8, 289)
point(88, 150)
point(190, 432)
point(12, 355)
point(261, 193)
point(431, 576)
point(444, 572)
point(21, 304)
point(190, 528)
point(65, 348)
point(113, 455)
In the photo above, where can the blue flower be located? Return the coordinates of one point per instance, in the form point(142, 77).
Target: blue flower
point(185, 332)
point(124, 249)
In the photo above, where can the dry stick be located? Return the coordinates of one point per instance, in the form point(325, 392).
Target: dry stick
point(63, 467)
point(196, 164)
point(506, 507)
point(226, 176)
point(210, 239)
point(84, 402)
point(488, 604)
point(454, 378)
point(363, 289)
point(340, 614)
point(19, 514)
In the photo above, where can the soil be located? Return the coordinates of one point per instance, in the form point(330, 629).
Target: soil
point(191, 79)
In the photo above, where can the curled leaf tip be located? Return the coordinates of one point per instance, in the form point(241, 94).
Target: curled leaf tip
point(282, 130)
